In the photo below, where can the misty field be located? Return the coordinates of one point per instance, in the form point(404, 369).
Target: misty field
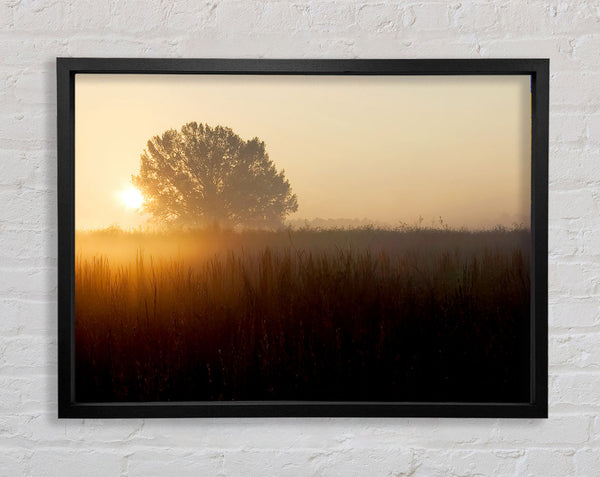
point(324, 315)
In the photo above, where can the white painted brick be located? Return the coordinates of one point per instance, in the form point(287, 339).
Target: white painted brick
point(593, 131)
point(377, 17)
point(273, 463)
point(26, 316)
point(30, 430)
point(408, 17)
point(575, 350)
point(249, 46)
point(15, 169)
point(76, 462)
point(27, 283)
point(574, 16)
point(574, 279)
point(33, 33)
point(203, 13)
point(526, 19)
point(6, 15)
point(463, 47)
point(468, 462)
point(22, 126)
point(163, 461)
point(558, 430)
point(573, 204)
point(563, 242)
point(7, 81)
point(294, 433)
point(238, 15)
point(310, 433)
point(333, 16)
point(342, 48)
point(575, 165)
point(595, 430)
point(42, 15)
point(37, 423)
point(36, 87)
point(282, 16)
point(547, 462)
point(591, 241)
point(31, 50)
point(472, 17)
point(363, 461)
point(23, 395)
point(587, 462)
point(122, 47)
point(430, 16)
point(575, 88)
point(88, 14)
point(575, 389)
point(138, 16)
point(15, 462)
point(265, 17)
point(23, 206)
point(102, 431)
point(355, 462)
point(558, 50)
point(462, 432)
point(550, 18)
point(27, 354)
point(376, 46)
point(570, 313)
point(565, 128)
point(585, 50)
point(21, 246)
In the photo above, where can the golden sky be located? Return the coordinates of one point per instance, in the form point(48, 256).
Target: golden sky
point(385, 148)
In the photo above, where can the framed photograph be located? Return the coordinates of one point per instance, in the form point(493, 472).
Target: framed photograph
point(302, 237)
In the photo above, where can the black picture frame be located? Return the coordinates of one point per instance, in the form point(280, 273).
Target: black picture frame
point(67, 68)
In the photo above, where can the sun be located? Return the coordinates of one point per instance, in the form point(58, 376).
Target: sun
point(132, 198)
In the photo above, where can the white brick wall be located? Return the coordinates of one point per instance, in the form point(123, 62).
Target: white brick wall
point(34, 442)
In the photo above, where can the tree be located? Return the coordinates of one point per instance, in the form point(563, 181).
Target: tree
point(203, 176)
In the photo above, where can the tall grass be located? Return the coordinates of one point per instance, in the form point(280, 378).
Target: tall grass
point(361, 314)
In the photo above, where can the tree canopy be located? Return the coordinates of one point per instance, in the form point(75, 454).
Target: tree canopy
point(203, 175)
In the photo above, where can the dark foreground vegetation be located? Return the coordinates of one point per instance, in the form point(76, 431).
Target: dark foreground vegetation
point(352, 315)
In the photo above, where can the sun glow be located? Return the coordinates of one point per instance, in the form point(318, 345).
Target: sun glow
point(132, 198)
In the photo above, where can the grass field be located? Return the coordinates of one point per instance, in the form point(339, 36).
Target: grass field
point(346, 314)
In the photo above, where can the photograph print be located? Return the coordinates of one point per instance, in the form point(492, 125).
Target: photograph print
point(302, 238)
